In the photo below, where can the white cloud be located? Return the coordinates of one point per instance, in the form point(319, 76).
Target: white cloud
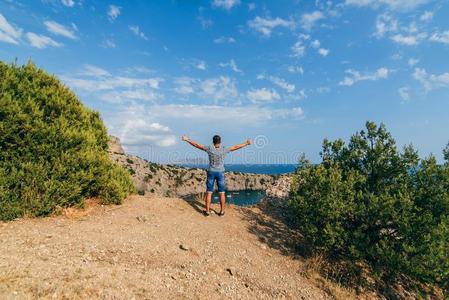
point(426, 16)
point(413, 61)
point(9, 33)
point(404, 40)
point(109, 44)
point(95, 79)
point(355, 76)
point(266, 25)
point(184, 85)
point(201, 65)
point(135, 128)
point(404, 92)
point(136, 30)
point(248, 115)
point(231, 64)
point(308, 20)
point(440, 37)
point(94, 71)
point(205, 22)
point(125, 96)
point(41, 41)
point(262, 95)
point(315, 44)
point(113, 12)
point(391, 4)
point(408, 40)
point(323, 52)
point(385, 24)
point(98, 82)
point(59, 29)
point(221, 88)
point(251, 6)
point(280, 82)
point(223, 39)
point(217, 88)
point(68, 3)
point(298, 49)
point(359, 2)
point(431, 81)
point(296, 96)
point(296, 69)
point(225, 4)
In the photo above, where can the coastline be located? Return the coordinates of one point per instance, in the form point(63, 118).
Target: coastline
point(180, 181)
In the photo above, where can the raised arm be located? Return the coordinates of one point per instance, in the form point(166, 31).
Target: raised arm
point(193, 143)
point(239, 146)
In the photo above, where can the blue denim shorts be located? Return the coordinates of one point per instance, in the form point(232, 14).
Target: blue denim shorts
point(211, 177)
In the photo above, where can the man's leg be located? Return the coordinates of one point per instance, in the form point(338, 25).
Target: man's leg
point(221, 191)
point(209, 189)
point(222, 202)
point(208, 198)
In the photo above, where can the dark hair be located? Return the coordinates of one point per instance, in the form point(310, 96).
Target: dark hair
point(216, 139)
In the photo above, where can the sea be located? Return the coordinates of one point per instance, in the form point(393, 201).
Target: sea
point(271, 169)
point(245, 198)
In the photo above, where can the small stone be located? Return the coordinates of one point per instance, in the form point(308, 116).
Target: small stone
point(142, 218)
point(231, 271)
point(184, 247)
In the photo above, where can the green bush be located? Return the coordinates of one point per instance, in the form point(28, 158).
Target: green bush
point(369, 202)
point(53, 150)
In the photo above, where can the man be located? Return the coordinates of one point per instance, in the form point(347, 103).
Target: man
point(215, 172)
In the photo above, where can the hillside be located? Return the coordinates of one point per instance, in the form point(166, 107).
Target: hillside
point(152, 248)
point(176, 181)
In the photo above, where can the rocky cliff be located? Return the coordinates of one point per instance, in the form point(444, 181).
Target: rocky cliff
point(172, 180)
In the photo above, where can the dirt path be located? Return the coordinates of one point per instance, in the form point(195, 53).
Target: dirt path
point(135, 251)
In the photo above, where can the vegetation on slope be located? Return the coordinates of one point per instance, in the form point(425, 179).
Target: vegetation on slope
point(53, 150)
point(369, 202)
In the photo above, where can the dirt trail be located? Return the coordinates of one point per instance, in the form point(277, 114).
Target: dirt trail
point(152, 248)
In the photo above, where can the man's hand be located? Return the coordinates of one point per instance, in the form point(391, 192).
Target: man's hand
point(185, 138)
point(240, 146)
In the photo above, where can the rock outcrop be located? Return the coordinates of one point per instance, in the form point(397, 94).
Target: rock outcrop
point(281, 187)
point(177, 181)
point(115, 146)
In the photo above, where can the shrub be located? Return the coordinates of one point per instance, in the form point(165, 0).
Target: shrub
point(53, 150)
point(369, 202)
point(148, 177)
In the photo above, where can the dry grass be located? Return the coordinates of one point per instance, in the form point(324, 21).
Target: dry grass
point(313, 268)
point(76, 213)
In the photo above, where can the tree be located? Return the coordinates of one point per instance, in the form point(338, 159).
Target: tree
point(369, 201)
point(53, 150)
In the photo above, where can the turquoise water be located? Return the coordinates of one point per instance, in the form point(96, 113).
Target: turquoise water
point(241, 198)
point(255, 168)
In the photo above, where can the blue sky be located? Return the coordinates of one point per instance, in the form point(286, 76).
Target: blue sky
point(285, 73)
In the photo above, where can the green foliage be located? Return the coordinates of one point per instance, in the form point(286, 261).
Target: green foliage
point(446, 153)
point(369, 202)
point(53, 150)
